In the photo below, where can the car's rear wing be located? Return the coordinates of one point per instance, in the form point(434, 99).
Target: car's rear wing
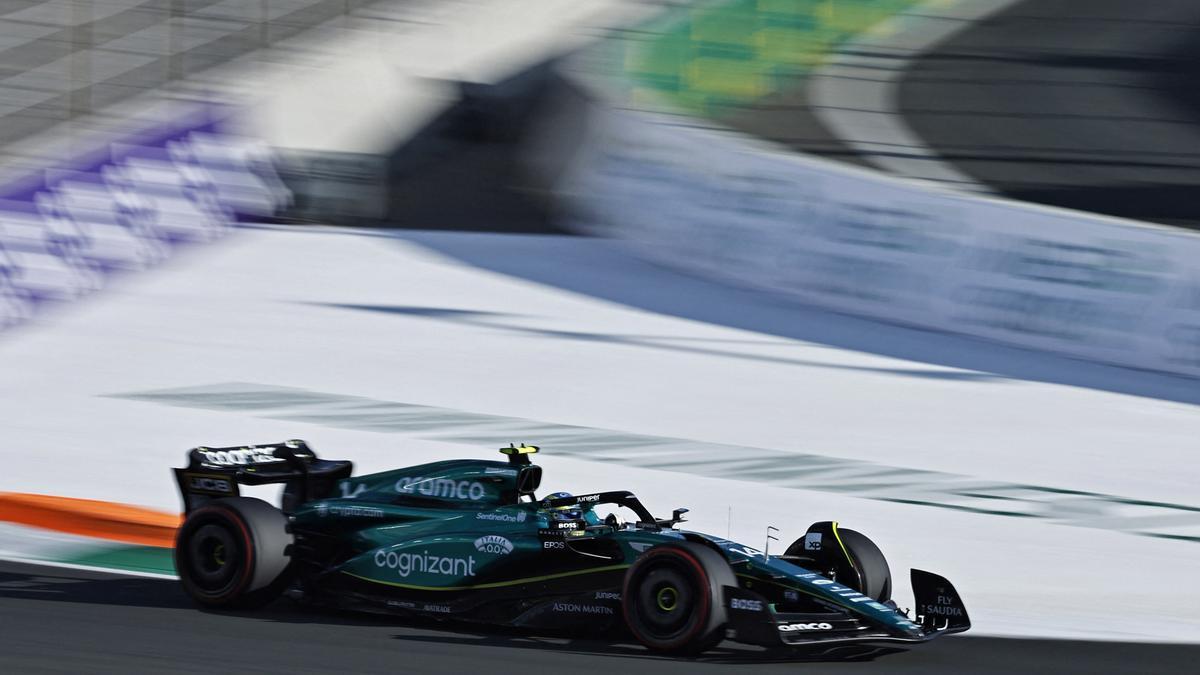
point(213, 473)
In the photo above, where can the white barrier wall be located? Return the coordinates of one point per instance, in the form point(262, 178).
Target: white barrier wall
point(716, 203)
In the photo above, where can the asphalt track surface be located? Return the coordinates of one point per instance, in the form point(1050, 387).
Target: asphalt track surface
point(1083, 104)
point(55, 620)
point(786, 118)
point(1088, 104)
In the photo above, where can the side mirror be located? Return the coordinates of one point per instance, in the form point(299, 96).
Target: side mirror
point(676, 518)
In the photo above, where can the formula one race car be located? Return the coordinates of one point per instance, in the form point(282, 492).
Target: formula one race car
point(468, 540)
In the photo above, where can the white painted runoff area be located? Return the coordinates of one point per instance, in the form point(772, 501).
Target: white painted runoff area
point(270, 307)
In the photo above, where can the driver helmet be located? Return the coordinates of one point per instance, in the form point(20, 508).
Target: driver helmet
point(571, 512)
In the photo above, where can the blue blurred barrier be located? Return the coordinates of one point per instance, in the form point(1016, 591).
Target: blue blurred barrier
point(726, 206)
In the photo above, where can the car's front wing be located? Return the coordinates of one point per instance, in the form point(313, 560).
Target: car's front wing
point(939, 611)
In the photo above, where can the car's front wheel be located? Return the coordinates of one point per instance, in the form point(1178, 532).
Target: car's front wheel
point(673, 598)
point(847, 556)
point(875, 578)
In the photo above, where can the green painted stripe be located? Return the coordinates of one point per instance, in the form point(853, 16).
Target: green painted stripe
point(958, 507)
point(125, 557)
point(1176, 537)
point(495, 584)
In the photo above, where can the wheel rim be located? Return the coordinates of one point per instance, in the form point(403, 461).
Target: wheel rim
point(214, 558)
point(667, 598)
point(665, 601)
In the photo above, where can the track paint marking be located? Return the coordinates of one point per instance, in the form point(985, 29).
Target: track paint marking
point(91, 518)
point(88, 568)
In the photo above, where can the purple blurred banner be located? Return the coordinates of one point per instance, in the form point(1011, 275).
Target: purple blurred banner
point(127, 205)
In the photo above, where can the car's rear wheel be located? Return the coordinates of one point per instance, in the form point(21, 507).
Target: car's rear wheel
point(233, 553)
point(672, 598)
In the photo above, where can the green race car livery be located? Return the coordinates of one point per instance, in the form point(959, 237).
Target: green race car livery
point(469, 540)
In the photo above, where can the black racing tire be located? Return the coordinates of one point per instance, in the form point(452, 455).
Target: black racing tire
point(232, 553)
point(870, 563)
point(673, 598)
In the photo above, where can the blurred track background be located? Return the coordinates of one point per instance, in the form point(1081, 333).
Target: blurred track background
point(170, 279)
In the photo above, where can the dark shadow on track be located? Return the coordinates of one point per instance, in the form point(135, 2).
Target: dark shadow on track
point(62, 585)
point(56, 585)
point(68, 589)
point(514, 324)
point(69, 621)
point(727, 653)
